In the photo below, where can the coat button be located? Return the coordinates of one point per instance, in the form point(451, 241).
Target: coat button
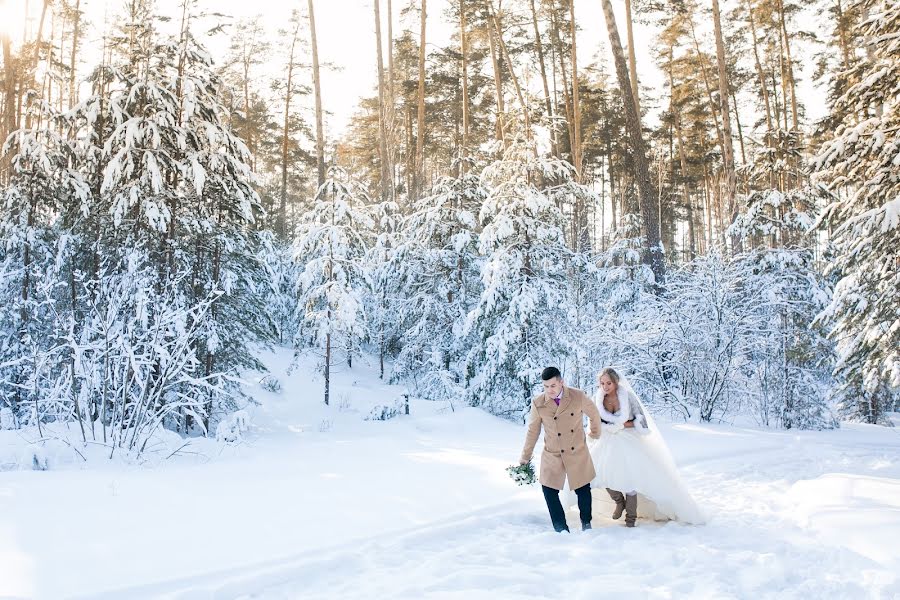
point(573, 447)
point(573, 431)
point(563, 451)
point(573, 414)
point(554, 418)
point(558, 434)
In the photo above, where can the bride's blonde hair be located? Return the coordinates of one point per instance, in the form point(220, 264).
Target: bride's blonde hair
point(611, 373)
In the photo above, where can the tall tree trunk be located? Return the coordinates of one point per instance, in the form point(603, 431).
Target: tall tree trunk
point(498, 87)
point(463, 51)
point(790, 66)
point(317, 84)
point(76, 31)
point(653, 252)
point(688, 200)
point(36, 58)
point(632, 59)
point(8, 124)
point(724, 96)
point(842, 35)
point(707, 85)
point(567, 96)
point(391, 122)
point(759, 72)
point(548, 105)
point(382, 125)
point(576, 105)
point(420, 128)
point(285, 130)
point(737, 121)
point(512, 72)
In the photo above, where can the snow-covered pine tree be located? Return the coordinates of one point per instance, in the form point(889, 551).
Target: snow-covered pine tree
point(381, 269)
point(617, 289)
point(180, 188)
point(45, 195)
point(794, 359)
point(332, 244)
point(522, 321)
point(861, 165)
point(437, 282)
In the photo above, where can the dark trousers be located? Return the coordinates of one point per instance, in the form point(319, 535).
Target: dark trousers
point(558, 515)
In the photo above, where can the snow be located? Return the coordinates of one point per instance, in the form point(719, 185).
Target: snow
point(315, 502)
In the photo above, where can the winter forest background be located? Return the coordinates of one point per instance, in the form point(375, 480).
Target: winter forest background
point(493, 207)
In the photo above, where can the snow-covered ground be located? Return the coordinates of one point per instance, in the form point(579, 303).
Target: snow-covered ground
point(315, 502)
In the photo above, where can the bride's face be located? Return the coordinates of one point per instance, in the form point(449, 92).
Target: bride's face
point(607, 384)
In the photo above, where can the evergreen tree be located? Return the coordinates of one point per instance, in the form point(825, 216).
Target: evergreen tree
point(436, 269)
point(860, 165)
point(333, 242)
point(522, 320)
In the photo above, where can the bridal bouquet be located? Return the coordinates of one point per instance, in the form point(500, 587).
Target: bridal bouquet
point(521, 474)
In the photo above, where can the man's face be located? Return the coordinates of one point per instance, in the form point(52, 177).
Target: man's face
point(552, 387)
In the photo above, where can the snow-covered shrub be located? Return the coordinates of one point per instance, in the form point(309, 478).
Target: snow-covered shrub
point(271, 384)
point(383, 412)
point(232, 428)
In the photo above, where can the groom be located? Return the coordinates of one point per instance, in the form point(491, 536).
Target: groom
point(559, 410)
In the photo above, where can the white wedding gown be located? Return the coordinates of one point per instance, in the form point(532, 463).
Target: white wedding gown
point(637, 459)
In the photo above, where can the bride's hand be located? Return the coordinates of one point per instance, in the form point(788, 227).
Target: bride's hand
point(612, 427)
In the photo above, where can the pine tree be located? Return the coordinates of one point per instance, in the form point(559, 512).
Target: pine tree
point(521, 321)
point(860, 165)
point(332, 245)
point(436, 270)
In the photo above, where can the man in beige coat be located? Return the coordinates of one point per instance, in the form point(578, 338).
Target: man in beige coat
point(560, 411)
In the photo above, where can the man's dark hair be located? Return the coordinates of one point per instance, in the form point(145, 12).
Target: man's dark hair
point(549, 373)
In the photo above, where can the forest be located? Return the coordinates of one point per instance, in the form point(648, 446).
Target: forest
point(495, 205)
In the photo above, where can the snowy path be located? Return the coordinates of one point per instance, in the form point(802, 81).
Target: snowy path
point(320, 504)
point(830, 535)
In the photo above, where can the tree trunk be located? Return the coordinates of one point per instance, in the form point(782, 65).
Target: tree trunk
point(73, 90)
point(790, 66)
point(465, 86)
point(724, 96)
point(632, 59)
point(540, 54)
point(576, 105)
point(8, 124)
point(512, 72)
point(382, 125)
point(706, 84)
point(390, 123)
point(498, 86)
point(282, 208)
point(759, 72)
point(653, 251)
point(317, 84)
point(567, 98)
point(420, 128)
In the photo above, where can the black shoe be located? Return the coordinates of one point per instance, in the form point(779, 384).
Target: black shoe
point(562, 529)
point(585, 525)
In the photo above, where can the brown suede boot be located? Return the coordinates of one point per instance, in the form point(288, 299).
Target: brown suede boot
point(630, 510)
point(619, 499)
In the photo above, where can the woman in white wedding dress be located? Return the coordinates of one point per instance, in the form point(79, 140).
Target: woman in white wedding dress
point(632, 460)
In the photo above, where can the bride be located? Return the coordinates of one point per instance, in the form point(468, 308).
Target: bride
point(632, 460)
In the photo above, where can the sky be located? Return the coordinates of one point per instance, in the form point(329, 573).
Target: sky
point(346, 39)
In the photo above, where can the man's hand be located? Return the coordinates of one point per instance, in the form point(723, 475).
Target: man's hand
point(524, 462)
point(629, 424)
